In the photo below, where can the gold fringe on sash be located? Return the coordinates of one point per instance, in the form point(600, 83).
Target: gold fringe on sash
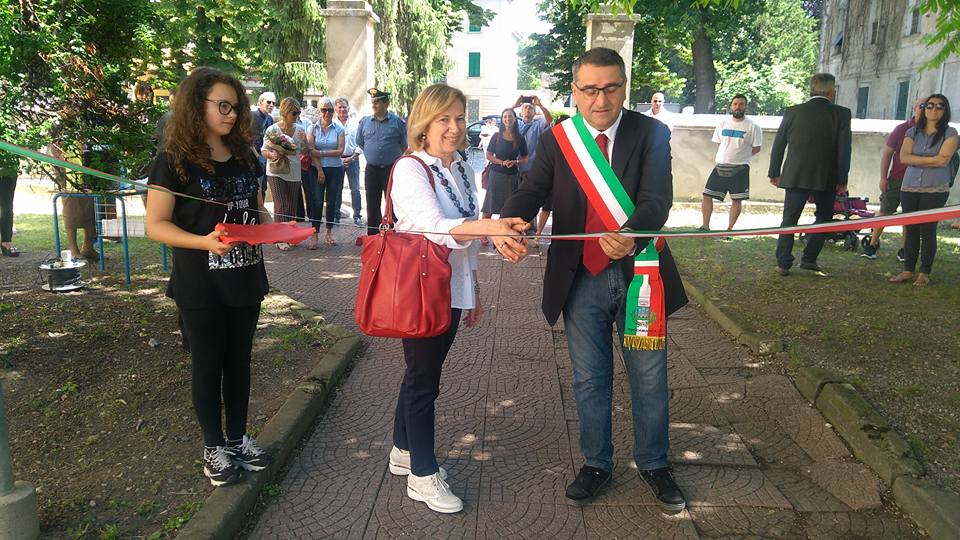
point(644, 343)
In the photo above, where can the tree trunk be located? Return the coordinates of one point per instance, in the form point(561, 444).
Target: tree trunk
point(704, 72)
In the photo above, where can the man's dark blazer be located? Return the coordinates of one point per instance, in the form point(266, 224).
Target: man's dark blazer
point(818, 134)
point(641, 159)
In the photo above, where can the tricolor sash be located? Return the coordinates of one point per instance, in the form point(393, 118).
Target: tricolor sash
point(646, 321)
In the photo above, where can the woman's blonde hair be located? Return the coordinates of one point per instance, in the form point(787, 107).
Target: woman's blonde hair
point(287, 106)
point(430, 104)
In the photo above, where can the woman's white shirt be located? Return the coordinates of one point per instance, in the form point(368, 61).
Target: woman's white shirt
point(432, 213)
point(300, 137)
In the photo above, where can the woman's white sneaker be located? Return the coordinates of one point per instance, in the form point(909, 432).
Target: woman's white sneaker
point(435, 492)
point(400, 463)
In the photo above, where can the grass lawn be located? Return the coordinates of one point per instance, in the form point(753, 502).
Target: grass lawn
point(898, 344)
point(97, 390)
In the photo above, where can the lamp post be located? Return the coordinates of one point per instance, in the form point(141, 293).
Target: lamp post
point(18, 500)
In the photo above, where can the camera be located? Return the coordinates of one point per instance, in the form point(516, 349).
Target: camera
point(526, 99)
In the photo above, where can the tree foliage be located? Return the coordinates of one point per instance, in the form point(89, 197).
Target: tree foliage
point(411, 43)
point(946, 35)
point(709, 50)
point(293, 39)
point(69, 66)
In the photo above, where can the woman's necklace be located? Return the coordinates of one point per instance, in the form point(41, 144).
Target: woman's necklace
point(453, 197)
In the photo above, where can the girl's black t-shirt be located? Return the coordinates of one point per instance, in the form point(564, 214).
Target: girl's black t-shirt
point(201, 279)
point(505, 151)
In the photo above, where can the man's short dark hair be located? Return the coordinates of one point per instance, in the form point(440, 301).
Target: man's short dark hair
point(740, 96)
point(601, 57)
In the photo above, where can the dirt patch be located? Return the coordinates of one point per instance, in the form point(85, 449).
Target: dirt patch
point(897, 343)
point(97, 390)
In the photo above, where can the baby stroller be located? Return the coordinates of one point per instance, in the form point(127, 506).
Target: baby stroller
point(848, 207)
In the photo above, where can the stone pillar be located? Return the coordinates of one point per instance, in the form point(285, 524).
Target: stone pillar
point(350, 58)
point(605, 29)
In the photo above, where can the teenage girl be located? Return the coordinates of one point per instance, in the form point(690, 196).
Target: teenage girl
point(210, 173)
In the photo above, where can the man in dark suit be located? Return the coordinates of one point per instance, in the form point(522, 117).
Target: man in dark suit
point(593, 300)
point(818, 134)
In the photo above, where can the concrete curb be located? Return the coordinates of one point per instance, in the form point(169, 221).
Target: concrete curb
point(225, 510)
point(741, 332)
point(868, 434)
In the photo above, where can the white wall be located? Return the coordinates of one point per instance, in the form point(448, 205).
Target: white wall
point(693, 157)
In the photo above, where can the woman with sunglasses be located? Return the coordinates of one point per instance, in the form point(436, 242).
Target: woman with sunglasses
point(210, 174)
point(284, 181)
point(926, 151)
point(326, 140)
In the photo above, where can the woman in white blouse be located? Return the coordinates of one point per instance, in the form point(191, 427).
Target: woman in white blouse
point(447, 212)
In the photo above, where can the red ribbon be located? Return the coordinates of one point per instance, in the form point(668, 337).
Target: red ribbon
point(267, 233)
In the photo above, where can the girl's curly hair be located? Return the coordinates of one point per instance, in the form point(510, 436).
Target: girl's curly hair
point(184, 137)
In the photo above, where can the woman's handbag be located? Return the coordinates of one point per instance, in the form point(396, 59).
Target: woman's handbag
point(485, 176)
point(404, 286)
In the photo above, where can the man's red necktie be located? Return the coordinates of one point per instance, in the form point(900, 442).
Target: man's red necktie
point(594, 259)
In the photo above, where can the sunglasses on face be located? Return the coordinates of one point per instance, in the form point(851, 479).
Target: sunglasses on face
point(225, 107)
point(932, 106)
point(325, 110)
point(270, 103)
point(295, 113)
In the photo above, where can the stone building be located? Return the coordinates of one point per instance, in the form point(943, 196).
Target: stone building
point(877, 51)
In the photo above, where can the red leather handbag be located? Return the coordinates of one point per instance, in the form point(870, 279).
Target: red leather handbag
point(404, 288)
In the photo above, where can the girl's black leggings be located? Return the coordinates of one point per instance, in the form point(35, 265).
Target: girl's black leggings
point(221, 339)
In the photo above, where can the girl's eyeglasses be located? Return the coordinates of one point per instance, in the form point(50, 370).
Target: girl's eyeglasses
point(225, 107)
point(932, 106)
point(326, 110)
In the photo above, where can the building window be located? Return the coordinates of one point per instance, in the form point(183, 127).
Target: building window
point(872, 30)
point(903, 95)
point(473, 110)
point(915, 21)
point(838, 43)
point(863, 98)
point(474, 25)
point(473, 70)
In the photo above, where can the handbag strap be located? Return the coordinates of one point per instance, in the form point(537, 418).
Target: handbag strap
point(388, 213)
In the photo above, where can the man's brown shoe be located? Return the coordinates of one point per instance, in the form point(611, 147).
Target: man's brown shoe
point(783, 271)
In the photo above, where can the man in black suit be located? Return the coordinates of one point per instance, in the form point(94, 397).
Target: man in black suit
point(818, 134)
point(593, 301)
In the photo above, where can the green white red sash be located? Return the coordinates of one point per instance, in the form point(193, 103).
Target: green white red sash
point(646, 319)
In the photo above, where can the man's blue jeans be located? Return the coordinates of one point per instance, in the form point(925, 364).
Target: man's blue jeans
point(594, 305)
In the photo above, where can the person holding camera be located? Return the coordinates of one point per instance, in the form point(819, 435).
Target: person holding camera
point(532, 126)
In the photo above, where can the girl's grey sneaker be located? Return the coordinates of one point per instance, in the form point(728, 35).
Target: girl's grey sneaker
point(247, 455)
point(218, 467)
point(435, 492)
point(400, 463)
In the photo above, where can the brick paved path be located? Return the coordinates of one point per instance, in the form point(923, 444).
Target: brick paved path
point(752, 457)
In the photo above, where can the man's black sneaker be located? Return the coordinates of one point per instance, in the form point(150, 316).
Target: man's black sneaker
point(587, 485)
point(869, 251)
point(668, 494)
point(247, 455)
point(218, 467)
point(900, 257)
